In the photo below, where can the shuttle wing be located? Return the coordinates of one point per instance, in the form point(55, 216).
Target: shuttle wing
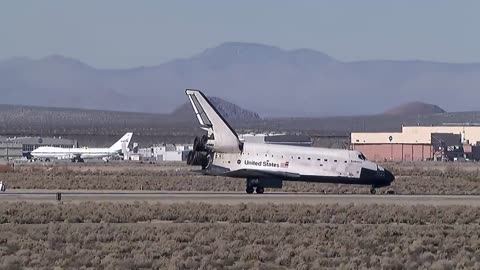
point(249, 173)
point(224, 137)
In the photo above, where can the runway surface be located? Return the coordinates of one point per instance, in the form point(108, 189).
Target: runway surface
point(233, 197)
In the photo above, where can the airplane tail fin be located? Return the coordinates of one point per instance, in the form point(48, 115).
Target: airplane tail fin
point(224, 137)
point(122, 143)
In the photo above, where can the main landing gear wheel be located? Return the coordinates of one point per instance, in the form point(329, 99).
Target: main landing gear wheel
point(78, 160)
point(255, 185)
point(373, 191)
point(390, 192)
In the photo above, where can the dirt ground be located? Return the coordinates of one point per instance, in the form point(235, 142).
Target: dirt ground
point(249, 236)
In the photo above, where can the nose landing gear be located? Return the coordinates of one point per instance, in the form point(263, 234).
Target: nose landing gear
point(373, 190)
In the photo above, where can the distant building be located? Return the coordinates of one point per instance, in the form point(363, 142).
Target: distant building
point(10, 150)
point(471, 152)
point(447, 146)
point(447, 142)
point(165, 152)
point(15, 147)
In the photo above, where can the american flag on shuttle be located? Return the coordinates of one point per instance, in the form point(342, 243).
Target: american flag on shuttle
point(284, 165)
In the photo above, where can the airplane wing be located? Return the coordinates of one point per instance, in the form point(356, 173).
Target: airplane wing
point(69, 156)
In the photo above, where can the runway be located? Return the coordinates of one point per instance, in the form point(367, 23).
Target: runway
point(40, 196)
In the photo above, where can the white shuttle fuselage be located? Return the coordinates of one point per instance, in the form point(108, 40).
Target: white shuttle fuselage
point(297, 163)
point(266, 165)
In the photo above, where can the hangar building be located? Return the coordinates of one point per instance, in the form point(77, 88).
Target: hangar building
point(161, 152)
point(445, 142)
point(16, 147)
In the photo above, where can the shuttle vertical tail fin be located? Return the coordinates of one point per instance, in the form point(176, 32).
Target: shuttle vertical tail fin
point(224, 137)
point(122, 143)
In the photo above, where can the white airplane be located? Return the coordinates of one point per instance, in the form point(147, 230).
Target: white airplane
point(80, 154)
point(220, 152)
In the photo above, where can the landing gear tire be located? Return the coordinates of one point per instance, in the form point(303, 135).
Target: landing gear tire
point(255, 185)
point(373, 191)
point(390, 192)
point(78, 160)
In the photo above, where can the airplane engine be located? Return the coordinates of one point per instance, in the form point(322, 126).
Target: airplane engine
point(200, 144)
point(201, 155)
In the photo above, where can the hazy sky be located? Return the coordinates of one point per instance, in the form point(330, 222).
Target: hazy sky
point(117, 33)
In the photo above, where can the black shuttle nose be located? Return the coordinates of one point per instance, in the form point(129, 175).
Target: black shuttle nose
point(389, 176)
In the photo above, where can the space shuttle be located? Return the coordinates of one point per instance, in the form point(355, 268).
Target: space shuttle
point(221, 153)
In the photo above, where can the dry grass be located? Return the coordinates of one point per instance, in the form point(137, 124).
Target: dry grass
point(33, 213)
point(420, 178)
point(238, 237)
point(238, 246)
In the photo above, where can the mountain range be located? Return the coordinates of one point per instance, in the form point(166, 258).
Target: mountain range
point(230, 111)
point(264, 79)
point(414, 108)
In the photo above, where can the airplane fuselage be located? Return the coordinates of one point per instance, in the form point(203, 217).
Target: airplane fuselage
point(69, 153)
point(79, 154)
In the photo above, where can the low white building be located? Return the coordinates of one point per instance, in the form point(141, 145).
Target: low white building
point(165, 152)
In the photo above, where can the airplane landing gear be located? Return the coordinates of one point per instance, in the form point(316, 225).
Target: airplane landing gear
point(254, 185)
point(77, 160)
point(373, 191)
point(390, 192)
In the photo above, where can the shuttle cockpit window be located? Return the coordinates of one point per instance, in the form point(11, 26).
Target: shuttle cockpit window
point(361, 156)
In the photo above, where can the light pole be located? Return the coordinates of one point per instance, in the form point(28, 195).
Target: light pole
point(7, 141)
